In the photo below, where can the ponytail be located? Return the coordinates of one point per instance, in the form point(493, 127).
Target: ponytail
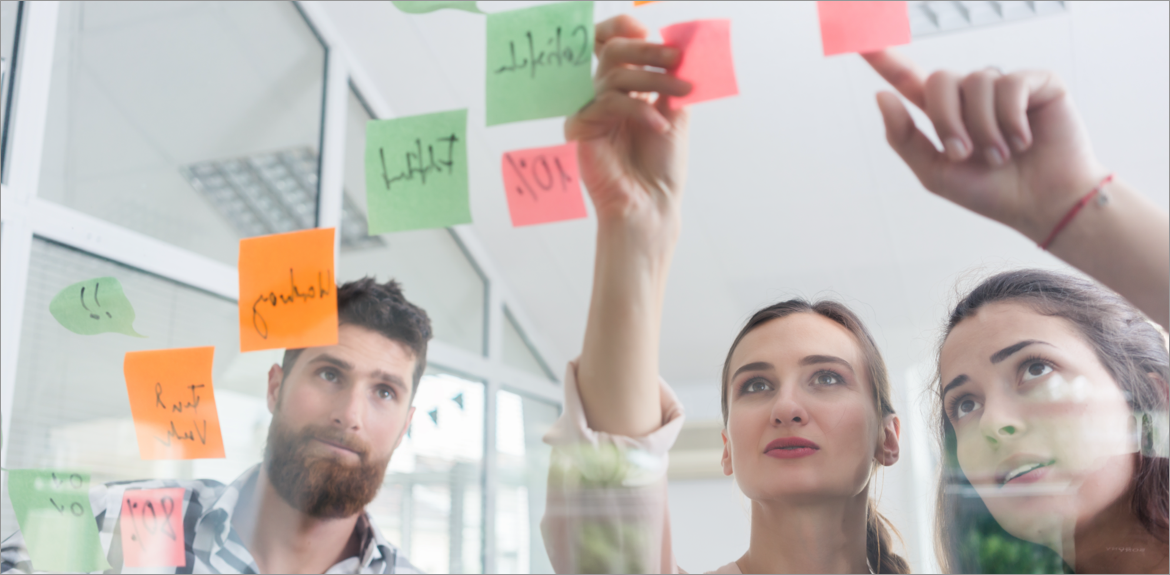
point(878, 546)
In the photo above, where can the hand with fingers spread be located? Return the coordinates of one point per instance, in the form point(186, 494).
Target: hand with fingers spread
point(1014, 149)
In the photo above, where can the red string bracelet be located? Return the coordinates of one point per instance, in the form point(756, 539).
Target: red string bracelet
point(1072, 213)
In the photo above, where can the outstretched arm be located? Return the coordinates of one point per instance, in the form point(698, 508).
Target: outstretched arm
point(632, 153)
point(1014, 150)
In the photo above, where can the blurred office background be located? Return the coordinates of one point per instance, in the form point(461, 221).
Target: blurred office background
point(143, 140)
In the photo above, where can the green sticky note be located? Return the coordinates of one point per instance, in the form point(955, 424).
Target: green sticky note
point(94, 306)
point(59, 529)
point(538, 62)
point(424, 7)
point(416, 172)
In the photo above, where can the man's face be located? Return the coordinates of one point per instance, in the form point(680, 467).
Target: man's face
point(338, 415)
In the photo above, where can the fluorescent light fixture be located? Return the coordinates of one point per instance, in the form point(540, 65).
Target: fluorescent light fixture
point(272, 193)
point(928, 18)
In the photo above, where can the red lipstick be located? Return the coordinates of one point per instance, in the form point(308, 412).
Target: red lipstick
point(791, 448)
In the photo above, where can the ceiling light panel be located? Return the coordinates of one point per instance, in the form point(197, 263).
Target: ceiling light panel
point(928, 18)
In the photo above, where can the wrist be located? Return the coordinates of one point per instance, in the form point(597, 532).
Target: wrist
point(1054, 205)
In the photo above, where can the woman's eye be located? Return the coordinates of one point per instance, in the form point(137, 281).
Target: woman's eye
point(756, 385)
point(1037, 369)
point(965, 406)
point(828, 378)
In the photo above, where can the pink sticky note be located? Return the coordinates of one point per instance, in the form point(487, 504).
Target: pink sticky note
point(706, 59)
point(152, 528)
point(861, 27)
point(542, 185)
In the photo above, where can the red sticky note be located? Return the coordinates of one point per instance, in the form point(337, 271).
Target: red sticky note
point(152, 528)
point(173, 403)
point(287, 295)
point(542, 185)
point(706, 59)
point(861, 27)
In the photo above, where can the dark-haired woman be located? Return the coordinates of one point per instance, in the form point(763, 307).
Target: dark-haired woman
point(1052, 390)
point(806, 402)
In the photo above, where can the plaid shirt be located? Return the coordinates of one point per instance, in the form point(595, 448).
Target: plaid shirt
point(212, 545)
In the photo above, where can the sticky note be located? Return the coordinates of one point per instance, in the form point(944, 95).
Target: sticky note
point(861, 27)
point(59, 529)
point(705, 61)
point(424, 7)
point(538, 62)
point(287, 295)
point(151, 523)
point(542, 185)
point(416, 172)
point(173, 403)
point(642, 2)
point(94, 306)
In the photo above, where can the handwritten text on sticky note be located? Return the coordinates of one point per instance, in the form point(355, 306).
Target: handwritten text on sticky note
point(538, 62)
point(94, 306)
point(542, 185)
point(56, 521)
point(861, 27)
point(287, 295)
point(173, 403)
point(151, 522)
point(705, 61)
point(416, 172)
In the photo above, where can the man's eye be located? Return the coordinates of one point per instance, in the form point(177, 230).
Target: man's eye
point(1037, 369)
point(329, 375)
point(386, 393)
point(756, 385)
point(828, 378)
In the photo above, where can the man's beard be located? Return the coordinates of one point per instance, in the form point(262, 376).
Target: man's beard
point(320, 486)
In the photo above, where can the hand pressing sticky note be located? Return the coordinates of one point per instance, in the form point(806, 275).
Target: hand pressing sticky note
point(538, 62)
point(56, 521)
point(287, 295)
point(861, 27)
point(416, 172)
point(705, 60)
point(151, 522)
point(173, 403)
point(542, 185)
point(94, 306)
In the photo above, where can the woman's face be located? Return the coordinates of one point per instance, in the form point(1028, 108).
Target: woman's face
point(801, 413)
point(1044, 433)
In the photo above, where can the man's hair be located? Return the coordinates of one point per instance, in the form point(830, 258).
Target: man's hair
point(381, 308)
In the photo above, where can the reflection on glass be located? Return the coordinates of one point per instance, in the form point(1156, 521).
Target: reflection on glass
point(522, 461)
point(222, 82)
point(70, 408)
point(434, 272)
point(430, 502)
point(9, 17)
point(518, 352)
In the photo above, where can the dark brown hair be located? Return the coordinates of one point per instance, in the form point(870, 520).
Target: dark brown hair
point(878, 547)
point(381, 308)
point(1129, 348)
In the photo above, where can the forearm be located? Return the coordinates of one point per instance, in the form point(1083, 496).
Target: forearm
point(1124, 244)
point(618, 370)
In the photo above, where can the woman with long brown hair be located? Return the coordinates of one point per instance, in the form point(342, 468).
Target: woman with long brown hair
point(1052, 393)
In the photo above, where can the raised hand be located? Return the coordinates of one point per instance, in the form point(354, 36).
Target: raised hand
point(1014, 148)
point(632, 149)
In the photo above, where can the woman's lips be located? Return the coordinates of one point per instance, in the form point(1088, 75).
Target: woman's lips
point(791, 448)
point(1032, 476)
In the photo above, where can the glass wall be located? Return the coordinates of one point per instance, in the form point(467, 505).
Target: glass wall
point(522, 463)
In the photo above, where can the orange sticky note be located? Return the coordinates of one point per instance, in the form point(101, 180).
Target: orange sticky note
point(152, 528)
point(861, 27)
point(542, 185)
point(173, 403)
point(706, 59)
point(641, 2)
point(287, 295)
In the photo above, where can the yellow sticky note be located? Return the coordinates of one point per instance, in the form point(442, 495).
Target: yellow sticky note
point(173, 403)
point(287, 295)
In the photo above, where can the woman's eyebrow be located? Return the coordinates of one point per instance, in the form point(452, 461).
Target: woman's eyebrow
point(960, 380)
point(1009, 350)
point(755, 366)
point(815, 359)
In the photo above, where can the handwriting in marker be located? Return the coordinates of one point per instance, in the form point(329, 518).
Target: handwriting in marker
point(152, 527)
point(538, 62)
point(542, 185)
point(94, 306)
point(288, 298)
point(416, 172)
point(173, 403)
point(56, 520)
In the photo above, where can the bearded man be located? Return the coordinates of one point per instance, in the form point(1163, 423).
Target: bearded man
point(338, 413)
